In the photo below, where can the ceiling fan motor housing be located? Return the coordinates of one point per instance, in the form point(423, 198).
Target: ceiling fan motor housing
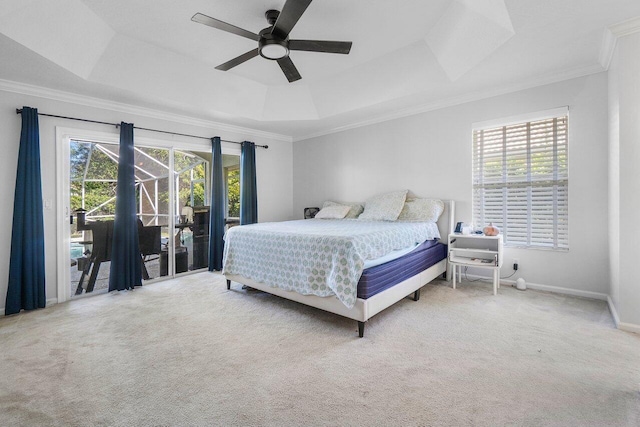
point(270, 46)
point(272, 16)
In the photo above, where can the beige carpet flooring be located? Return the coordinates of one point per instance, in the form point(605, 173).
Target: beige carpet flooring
point(187, 352)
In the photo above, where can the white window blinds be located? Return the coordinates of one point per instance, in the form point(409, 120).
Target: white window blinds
point(520, 182)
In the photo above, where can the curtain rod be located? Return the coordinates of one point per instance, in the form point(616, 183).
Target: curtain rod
point(19, 111)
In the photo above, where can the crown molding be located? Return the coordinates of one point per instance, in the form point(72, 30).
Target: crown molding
point(57, 95)
point(626, 27)
point(463, 99)
point(88, 101)
point(608, 46)
point(610, 38)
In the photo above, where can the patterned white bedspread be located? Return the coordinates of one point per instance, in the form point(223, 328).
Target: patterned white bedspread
point(316, 256)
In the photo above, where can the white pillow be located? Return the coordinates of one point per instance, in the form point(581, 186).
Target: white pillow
point(421, 210)
point(356, 208)
point(384, 207)
point(333, 212)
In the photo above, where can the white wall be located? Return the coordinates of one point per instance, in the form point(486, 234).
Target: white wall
point(614, 182)
point(430, 154)
point(624, 179)
point(274, 166)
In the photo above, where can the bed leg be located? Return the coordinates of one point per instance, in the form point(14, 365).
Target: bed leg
point(416, 295)
point(228, 284)
point(361, 329)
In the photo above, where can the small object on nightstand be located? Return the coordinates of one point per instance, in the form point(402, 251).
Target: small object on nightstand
point(491, 230)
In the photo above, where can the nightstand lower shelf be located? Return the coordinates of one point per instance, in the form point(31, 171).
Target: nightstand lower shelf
point(455, 273)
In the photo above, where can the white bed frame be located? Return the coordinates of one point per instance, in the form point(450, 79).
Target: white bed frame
point(364, 309)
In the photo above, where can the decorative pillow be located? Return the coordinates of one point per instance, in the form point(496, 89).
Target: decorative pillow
point(354, 211)
point(384, 207)
point(421, 210)
point(333, 212)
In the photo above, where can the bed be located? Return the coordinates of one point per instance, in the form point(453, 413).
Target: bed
point(280, 259)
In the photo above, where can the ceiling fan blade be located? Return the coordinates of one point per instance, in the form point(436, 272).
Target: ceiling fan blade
point(238, 60)
point(289, 16)
point(289, 70)
point(320, 46)
point(220, 25)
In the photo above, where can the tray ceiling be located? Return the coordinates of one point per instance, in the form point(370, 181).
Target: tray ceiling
point(405, 55)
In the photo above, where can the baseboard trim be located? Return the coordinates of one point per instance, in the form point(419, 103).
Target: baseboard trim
point(548, 288)
point(565, 291)
point(629, 327)
point(48, 303)
point(613, 311)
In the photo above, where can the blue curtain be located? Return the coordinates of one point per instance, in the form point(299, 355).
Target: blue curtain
point(248, 189)
point(126, 268)
point(217, 214)
point(26, 266)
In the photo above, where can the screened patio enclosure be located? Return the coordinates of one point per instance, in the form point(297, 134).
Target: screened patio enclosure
point(94, 173)
point(167, 181)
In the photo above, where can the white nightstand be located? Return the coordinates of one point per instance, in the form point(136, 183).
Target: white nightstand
point(476, 250)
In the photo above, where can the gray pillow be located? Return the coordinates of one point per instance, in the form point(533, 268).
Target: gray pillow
point(333, 212)
point(354, 211)
point(384, 207)
point(421, 210)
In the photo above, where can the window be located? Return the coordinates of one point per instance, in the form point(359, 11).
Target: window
point(520, 181)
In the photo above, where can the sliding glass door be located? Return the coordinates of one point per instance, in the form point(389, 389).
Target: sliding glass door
point(172, 191)
point(191, 228)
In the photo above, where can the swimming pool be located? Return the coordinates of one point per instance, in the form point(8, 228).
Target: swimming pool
point(76, 250)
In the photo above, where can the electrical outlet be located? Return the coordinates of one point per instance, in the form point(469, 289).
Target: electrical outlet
point(516, 264)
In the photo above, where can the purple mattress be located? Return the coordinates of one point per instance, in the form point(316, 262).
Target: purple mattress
point(377, 279)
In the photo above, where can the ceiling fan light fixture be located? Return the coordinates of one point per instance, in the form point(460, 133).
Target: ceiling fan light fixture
point(273, 49)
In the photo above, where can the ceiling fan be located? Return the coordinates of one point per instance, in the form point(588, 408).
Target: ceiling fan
point(273, 41)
